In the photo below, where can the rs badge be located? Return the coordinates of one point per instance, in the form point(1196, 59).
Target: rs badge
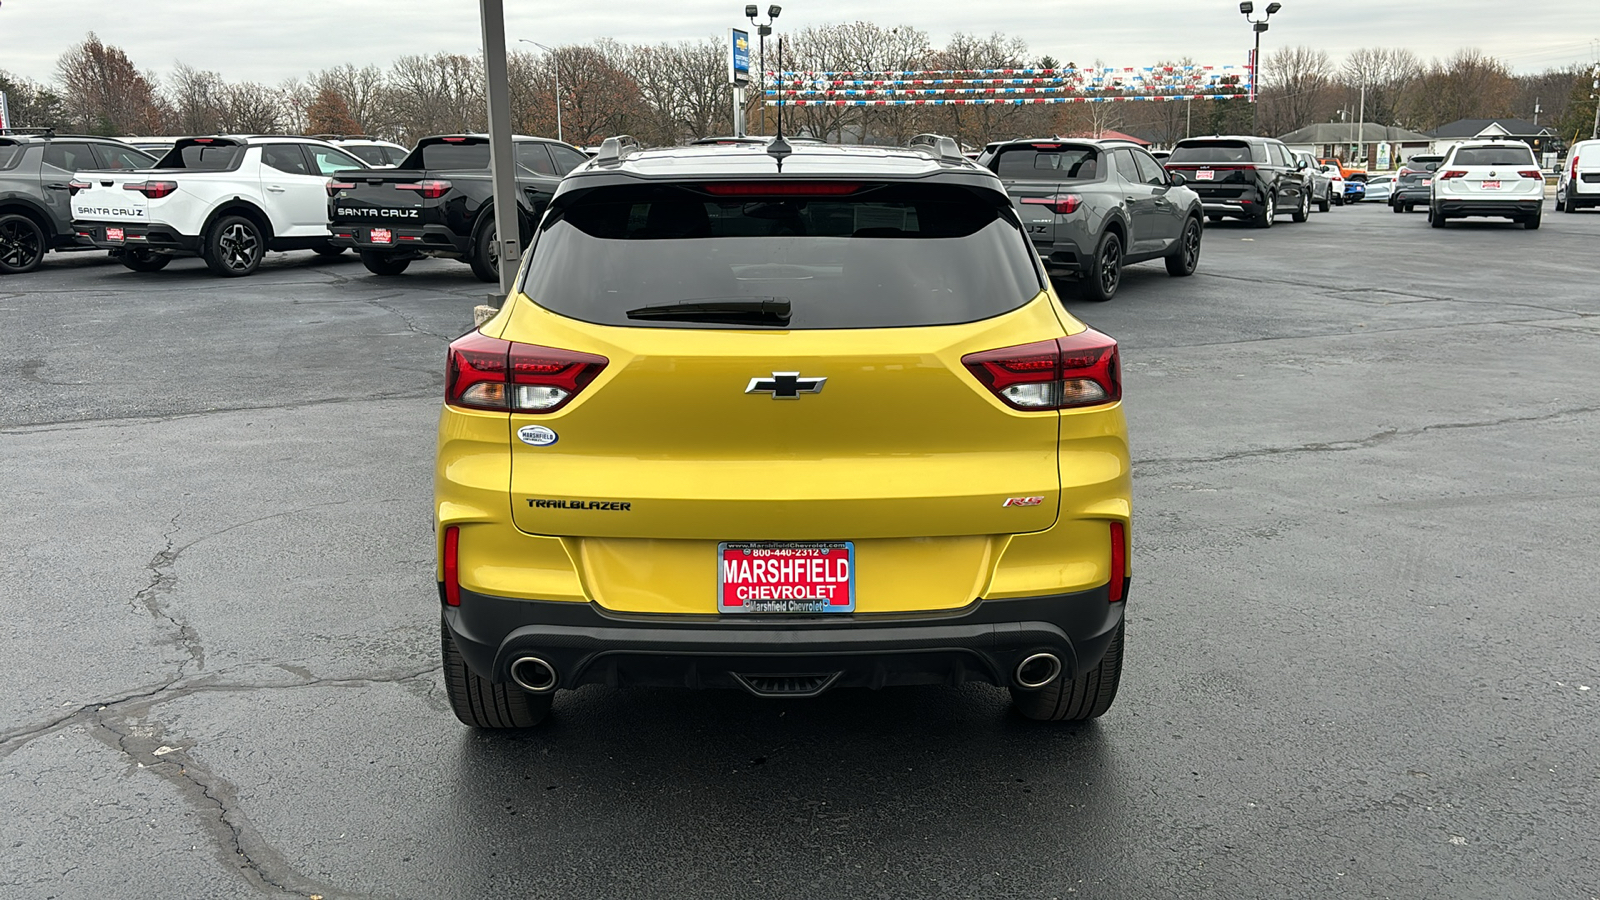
point(1023, 501)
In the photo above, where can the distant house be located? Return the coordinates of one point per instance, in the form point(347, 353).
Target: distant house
point(1363, 143)
point(1541, 138)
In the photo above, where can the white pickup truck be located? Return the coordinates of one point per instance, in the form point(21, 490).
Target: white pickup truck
point(227, 200)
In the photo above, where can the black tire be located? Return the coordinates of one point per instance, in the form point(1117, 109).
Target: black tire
point(1532, 222)
point(22, 244)
point(1325, 204)
point(1086, 697)
point(485, 260)
point(1569, 203)
point(1100, 283)
point(1398, 209)
point(142, 260)
point(1269, 211)
point(1302, 213)
point(233, 247)
point(380, 263)
point(1185, 258)
point(329, 251)
point(482, 703)
point(1436, 219)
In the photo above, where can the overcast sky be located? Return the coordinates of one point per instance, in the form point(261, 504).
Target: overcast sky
point(269, 40)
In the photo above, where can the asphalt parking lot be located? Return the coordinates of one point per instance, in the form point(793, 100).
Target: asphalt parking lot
point(1362, 645)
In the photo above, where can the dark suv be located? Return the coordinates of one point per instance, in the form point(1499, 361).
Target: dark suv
point(1251, 178)
point(35, 202)
point(1092, 206)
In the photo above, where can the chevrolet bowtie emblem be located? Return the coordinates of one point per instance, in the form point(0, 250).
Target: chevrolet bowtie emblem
point(785, 385)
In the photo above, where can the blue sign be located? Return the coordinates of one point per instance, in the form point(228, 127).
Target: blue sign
point(738, 56)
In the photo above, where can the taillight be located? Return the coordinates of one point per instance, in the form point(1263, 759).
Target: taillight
point(1574, 166)
point(488, 373)
point(154, 190)
point(1452, 173)
point(1061, 204)
point(334, 187)
point(1081, 370)
point(1119, 562)
point(74, 187)
point(430, 189)
point(452, 566)
point(1532, 173)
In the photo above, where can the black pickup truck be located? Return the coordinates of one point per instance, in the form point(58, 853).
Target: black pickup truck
point(440, 202)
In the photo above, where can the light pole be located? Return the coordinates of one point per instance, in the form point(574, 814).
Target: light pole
point(555, 66)
point(1258, 25)
point(750, 12)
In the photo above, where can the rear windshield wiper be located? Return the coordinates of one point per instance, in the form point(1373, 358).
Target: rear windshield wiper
point(721, 311)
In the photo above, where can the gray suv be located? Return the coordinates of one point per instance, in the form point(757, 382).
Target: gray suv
point(35, 198)
point(1093, 206)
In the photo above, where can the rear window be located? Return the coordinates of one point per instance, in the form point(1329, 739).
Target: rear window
point(885, 256)
point(9, 154)
point(1493, 156)
point(449, 156)
point(370, 154)
point(202, 157)
point(1046, 162)
point(1213, 152)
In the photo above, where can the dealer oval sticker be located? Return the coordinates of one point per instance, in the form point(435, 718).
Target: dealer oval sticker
point(537, 435)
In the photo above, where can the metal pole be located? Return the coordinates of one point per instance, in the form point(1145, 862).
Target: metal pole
point(1596, 132)
point(761, 107)
point(1361, 123)
point(738, 111)
point(502, 171)
point(1255, 86)
point(555, 64)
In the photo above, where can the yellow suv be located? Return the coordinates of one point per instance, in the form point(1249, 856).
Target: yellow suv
point(782, 418)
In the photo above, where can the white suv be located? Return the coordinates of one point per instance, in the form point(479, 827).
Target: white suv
point(1580, 178)
point(1488, 178)
point(378, 154)
point(227, 200)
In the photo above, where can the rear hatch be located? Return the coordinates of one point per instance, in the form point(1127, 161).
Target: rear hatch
point(1216, 168)
point(1506, 172)
point(777, 367)
point(1039, 176)
point(392, 205)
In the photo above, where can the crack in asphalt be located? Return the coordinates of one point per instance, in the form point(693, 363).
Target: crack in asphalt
point(1143, 466)
point(67, 425)
point(163, 579)
point(411, 325)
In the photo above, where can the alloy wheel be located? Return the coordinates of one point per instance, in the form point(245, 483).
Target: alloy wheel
point(1191, 245)
point(20, 247)
point(239, 245)
point(1110, 267)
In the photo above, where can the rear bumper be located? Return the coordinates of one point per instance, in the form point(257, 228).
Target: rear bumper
point(1510, 208)
point(430, 239)
point(136, 236)
point(1415, 198)
point(585, 644)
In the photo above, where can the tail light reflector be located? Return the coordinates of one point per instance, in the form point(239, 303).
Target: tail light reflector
point(75, 186)
point(488, 373)
point(1061, 204)
point(334, 187)
point(1069, 372)
point(1119, 561)
point(1451, 174)
point(452, 566)
point(431, 189)
point(154, 190)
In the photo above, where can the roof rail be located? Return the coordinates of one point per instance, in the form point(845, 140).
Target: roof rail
point(47, 131)
point(613, 150)
point(942, 148)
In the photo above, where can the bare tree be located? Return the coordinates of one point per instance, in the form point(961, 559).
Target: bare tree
point(437, 94)
point(1388, 74)
point(1296, 89)
point(363, 92)
point(1469, 85)
point(328, 114)
point(194, 101)
point(598, 97)
point(105, 93)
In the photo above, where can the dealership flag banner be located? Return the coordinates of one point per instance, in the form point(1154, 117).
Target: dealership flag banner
point(965, 87)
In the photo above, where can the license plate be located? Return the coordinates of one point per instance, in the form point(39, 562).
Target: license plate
point(1427, 181)
point(1205, 175)
point(113, 234)
point(1489, 185)
point(804, 577)
point(382, 236)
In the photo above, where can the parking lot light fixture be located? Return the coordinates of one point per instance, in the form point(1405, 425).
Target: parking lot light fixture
point(555, 66)
point(1258, 26)
point(762, 30)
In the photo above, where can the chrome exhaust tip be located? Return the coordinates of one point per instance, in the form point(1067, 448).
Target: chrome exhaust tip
point(1038, 670)
point(533, 675)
